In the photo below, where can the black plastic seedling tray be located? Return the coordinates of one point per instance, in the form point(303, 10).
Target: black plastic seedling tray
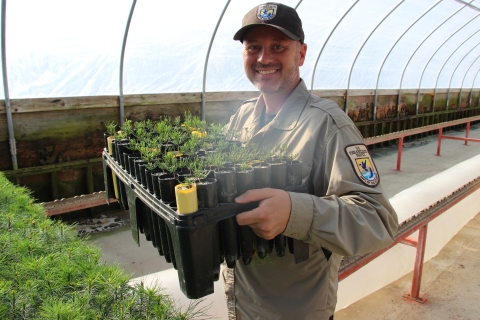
point(190, 241)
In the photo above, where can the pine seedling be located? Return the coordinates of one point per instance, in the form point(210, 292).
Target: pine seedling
point(176, 122)
point(119, 135)
point(196, 169)
point(264, 154)
point(189, 148)
point(215, 131)
point(162, 127)
point(127, 127)
point(290, 157)
point(215, 159)
point(170, 163)
point(222, 146)
point(178, 137)
point(235, 155)
point(280, 151)
point(111, 127)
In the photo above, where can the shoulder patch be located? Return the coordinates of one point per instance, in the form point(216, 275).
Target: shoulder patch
point(362, 164)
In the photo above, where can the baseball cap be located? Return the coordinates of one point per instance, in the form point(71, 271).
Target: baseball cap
point(276, 15)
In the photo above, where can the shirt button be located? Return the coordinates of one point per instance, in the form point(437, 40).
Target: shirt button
point(294, 234)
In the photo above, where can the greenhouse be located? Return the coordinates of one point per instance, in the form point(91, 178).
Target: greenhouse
point(405, 72)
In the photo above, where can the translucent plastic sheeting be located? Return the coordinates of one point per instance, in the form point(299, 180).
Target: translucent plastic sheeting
point(64, 48)
point(458, 63)
point(457, 22)
point(367, 66)
point(2, 89)
point(469, 78)
point(225, 67)
point(167, 45)
point(73, 48)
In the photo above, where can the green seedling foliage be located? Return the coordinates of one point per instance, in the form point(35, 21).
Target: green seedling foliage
point(183, 163)
point(176, 122)
point(244, 166)
point(111, 127)
point(133, 144)
point(196, 168)
point(169, 163)
point(127, 127)
point(235, 155)
point(119, 135)
point(290, 157)
point(150, 153)
point(263, 154)
point(215, 131)
point(189, 119)
point(231, 135)
point(215, 159)
point(207, 145)
point(282, 153)
point(163, 129)
point(192, 123)
point(222, 146)
point(48, 272)
point(178, 137)
point(190, 147)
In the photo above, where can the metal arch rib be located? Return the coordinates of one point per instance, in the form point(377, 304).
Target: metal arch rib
point(418, 47)
point(468, 4)
point(8, 109)
point(204, 81)
point(438, 75)
point(391, 49)
point(326, 41)
point(471, 91)
point(122, 56)
point(455, 70)
point(298, 4)
point(360, 50)
point(463, 81)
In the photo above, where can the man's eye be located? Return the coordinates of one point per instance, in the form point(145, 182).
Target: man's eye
point(278, 47)
point(253, 48)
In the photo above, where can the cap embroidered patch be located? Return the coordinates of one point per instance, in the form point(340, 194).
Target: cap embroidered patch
point(266, 11)
point(363, 164)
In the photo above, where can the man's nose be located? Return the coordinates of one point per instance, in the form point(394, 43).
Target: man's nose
point(265, 56)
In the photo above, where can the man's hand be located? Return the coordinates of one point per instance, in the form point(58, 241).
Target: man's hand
point(271, 216)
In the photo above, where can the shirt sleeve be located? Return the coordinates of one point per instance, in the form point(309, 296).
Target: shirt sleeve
point(341, 213)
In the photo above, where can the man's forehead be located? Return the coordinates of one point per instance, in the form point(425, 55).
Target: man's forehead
point(262, 32)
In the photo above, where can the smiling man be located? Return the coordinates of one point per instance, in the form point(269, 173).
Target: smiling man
point(344, 212)
point(272, 61)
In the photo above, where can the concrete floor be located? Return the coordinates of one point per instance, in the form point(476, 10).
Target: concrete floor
point(459, 294)
point(450, 283)
point(118, 246)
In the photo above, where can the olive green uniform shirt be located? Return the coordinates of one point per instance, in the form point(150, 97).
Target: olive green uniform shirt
point(342, 212)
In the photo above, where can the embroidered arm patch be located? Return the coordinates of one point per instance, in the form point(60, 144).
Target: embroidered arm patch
point(362, 164)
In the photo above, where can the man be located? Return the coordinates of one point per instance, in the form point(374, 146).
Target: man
point(344, 212)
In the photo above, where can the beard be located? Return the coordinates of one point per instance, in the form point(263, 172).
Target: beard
point(287, 76)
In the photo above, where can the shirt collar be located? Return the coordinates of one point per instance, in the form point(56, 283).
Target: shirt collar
point(287, 117)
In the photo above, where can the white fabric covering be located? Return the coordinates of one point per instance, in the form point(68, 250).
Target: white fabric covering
point(58, 48)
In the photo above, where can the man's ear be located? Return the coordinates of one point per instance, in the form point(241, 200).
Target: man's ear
point(302, 54)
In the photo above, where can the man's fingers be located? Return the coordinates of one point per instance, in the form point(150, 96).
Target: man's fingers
point(271, 216)
point(249, 217)
point(253, 195)
point(253, 219)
